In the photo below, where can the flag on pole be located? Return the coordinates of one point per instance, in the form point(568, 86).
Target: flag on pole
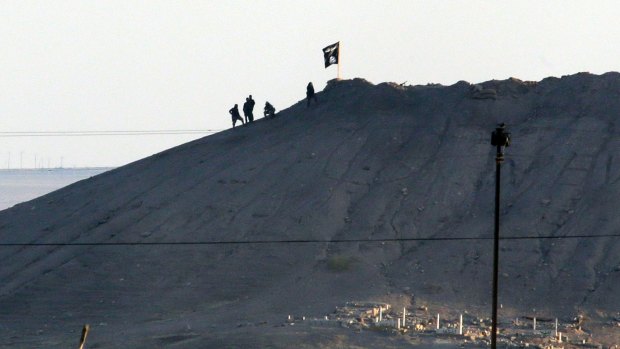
point(330, 54)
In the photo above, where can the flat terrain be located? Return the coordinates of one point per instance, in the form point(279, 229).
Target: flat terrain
point(368, 162)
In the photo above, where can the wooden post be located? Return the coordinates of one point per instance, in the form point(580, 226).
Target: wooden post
point(556, 326)
point(380, 314)
point(437, 320)
point(404, 314)
point(534, 327)
point(84, 334)
point(461, 324)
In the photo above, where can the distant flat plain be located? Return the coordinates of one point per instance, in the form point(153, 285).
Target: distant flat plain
point(22, 185)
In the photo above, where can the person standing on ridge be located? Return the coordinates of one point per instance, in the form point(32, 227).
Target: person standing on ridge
point(234, 113)
point(310, 94)
point(246, 110)
point(251, 108)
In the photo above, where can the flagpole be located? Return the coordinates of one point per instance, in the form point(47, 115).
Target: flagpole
point(339, 50)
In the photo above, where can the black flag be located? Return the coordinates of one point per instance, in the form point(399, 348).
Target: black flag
point(330, 54)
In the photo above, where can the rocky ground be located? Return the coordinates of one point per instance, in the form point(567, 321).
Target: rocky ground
point(367, 162)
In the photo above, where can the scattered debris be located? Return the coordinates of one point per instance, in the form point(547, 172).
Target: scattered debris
point(522, 332)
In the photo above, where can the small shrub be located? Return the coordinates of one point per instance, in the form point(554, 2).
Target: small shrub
point(340, 263)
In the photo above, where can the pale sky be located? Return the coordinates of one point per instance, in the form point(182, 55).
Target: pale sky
point(172, 65)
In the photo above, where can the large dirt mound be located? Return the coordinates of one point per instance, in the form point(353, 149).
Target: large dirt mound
point(368, 162)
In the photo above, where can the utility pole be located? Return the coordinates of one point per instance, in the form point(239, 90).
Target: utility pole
point(501, 140)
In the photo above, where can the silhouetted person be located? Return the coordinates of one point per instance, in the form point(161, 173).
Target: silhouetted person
point(246, 110)
point(234, 113)
point(310, 94)
point(251, 108)
point(269, 111)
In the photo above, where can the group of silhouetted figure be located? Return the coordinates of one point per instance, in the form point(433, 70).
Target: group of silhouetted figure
point(269, 112)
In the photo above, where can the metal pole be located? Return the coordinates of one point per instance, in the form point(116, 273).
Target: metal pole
point(499, 139)
point(498, 161)
point(339, 51)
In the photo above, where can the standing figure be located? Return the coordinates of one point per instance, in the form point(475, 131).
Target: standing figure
point(246, 110)
point(269, 111)
point(310, 94)
point(251, 108)
point(234, 113)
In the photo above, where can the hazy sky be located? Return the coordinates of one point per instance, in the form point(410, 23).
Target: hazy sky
point(166, 65)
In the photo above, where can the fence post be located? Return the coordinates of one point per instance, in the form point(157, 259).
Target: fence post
point(84, 334)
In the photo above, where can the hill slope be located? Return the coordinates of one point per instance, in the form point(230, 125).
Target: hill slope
point(368, 162)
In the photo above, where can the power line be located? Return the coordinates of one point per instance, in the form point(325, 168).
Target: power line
point(199, 131)
point(302, 241)
point(105, 133)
